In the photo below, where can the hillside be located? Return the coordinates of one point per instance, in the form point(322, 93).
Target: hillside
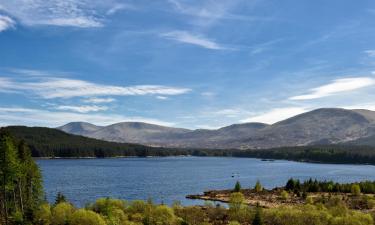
point(321, 126)
point(47, 142)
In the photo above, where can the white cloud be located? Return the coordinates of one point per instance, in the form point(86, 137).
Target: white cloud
point(275, 115)
point(193, 39)
point(82, 109)
point(99, 100)
point(161, 97)
point(119, 7)
point(36, 117)
point(6, 22)
point(208, 12)
point(370, 53)
point(228, 112)
point(336, 87)
point(74, 22)
point(72, 13)
point(52, 87)
point(208, 94)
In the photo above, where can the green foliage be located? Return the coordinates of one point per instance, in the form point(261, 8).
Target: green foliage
point(86, 217)
point(237, 187)
point(284, 195)
point(236, 206)
point(60, 198)
point(258, 187)
point(258, 219)
point(315, 215)
point(356, 190)
point(310, 185)
point(233, 223)
point(43, 215)
point(61, 213)
point(107, 211)
point(326, 154)
point(20, 183)
point(309, 200)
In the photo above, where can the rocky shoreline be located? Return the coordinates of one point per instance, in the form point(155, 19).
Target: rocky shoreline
point(274, 198)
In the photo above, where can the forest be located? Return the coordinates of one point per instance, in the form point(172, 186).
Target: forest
point(47, 142)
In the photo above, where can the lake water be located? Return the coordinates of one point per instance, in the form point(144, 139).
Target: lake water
point(172, 178)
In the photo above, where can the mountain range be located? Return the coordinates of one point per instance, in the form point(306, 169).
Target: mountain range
point(317, 127)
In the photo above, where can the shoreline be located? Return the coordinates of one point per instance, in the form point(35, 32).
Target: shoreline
point(112, 157)
point(273, 198)
point(186, 156)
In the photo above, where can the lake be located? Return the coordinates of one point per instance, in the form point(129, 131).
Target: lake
point(170, 179)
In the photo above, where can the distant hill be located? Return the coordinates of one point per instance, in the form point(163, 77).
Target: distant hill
point(322, 126)
point(48, 142)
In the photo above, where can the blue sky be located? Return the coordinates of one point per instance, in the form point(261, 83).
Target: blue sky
point(192, 64)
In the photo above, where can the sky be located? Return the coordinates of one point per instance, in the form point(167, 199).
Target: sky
point(192, 64)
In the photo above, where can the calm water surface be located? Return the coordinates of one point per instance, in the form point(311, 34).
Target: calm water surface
point(172, 178)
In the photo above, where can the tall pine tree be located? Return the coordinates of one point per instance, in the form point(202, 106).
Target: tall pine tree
point(21, 183)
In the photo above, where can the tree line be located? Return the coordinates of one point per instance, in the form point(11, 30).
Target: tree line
point(46, 142)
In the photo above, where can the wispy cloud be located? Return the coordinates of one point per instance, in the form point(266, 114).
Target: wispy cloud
point(336, 87)
point(6, 22)
point(275, 115)
point(208, 12)
point(193, 39)
point(73, 13)
point(99, 100)
point(119, 7)
point(74, 22)
point(54, 87)
point(36, 117)
point(161, 97)
point(82, 108)
point(228, 112)
point(370, 53)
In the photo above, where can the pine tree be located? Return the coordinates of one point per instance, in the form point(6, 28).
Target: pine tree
point(60, 198)
point(21, 184)
point(237, 187)
point(258, 216)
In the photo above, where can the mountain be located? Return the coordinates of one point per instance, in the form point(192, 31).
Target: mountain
point(79, 128)
point(321, 126)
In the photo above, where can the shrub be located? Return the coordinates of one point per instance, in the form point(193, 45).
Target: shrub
point(258, 187)
point(61, 213)
point(284, 195)
point(86, 217)
point(43, 215)
point(356, 189)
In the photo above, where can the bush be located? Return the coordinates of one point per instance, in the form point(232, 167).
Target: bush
point(86, 217)
point(284, 195)
point(61, 213)
point(233, 223)
point(356, 189)
point(258, 187)
point(236, 206)
point(43, 215)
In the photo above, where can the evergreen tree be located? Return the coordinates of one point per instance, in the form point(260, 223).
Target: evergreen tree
point(60, 198)
point(21, 184)
point(258, 216)
point(237, 187)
